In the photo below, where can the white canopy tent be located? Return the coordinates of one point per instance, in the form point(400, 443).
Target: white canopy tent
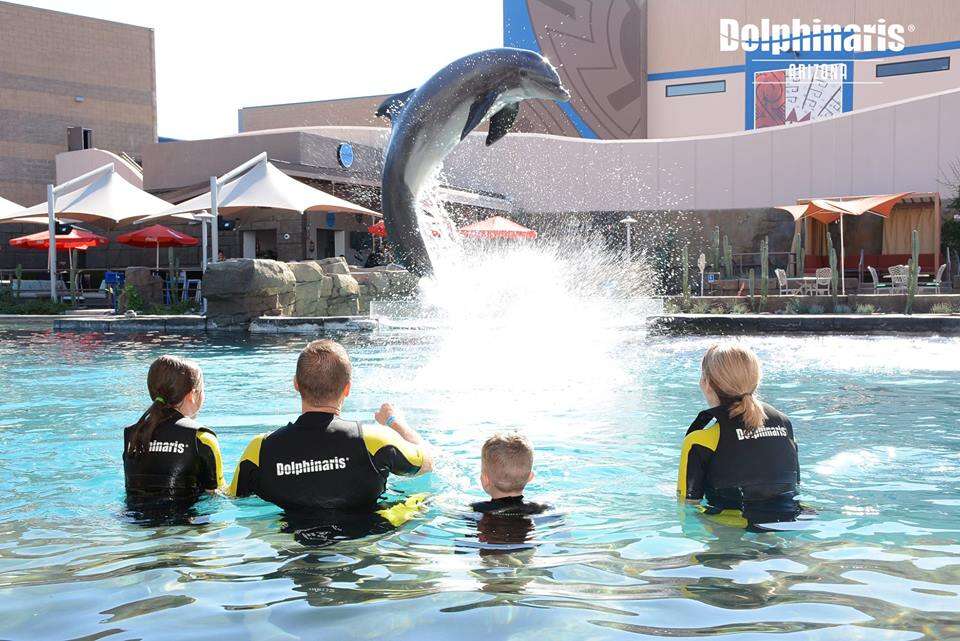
point(101, 197)
point(9, 207)
point(257, 183)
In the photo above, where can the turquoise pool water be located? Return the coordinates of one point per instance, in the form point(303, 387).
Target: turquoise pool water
point(878, 421)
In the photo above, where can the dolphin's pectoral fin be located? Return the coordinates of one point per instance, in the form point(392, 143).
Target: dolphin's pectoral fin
point(393, 105)
point(501, 122)
point(478, 110)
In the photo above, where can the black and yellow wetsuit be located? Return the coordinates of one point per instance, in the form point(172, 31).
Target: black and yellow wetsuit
point(323, 461)
point(754, 471)
point(507, 520)
point(181, 462)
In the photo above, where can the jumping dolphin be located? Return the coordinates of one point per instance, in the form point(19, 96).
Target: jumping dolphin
point(429, 121)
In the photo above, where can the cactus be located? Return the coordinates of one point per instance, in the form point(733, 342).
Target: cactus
point(764, 272)
point(801, 258)
point(750, 285)
point(914, 272)
point(727, 257)
point(715, 254)
point(685, 257)
point(18, 274)
point(796, 248)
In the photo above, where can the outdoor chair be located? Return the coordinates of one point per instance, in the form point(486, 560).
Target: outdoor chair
point(823, 276)
point(877, 285)
point(937, 282)
point(899, 276)
point(784, 283)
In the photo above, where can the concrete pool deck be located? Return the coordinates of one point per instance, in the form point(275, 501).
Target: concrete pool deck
point(662, 324)
point(710, 324)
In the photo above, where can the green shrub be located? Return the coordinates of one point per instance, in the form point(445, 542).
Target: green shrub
point(11, 304)
point(699, 307)
point(815, 308)
point(950, 234)
point(671, 307)
point(131, 299)
point(840, 308)
point(794, 306)
point(866, 308)
point(941, 308)
point(184, 307)
point(739, 308)
point(717, 308)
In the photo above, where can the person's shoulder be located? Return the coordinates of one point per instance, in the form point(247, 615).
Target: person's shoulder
point(774, 415)
point(705, 436)
point(191, 424)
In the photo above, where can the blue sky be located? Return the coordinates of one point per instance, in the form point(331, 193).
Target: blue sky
point(215, 56)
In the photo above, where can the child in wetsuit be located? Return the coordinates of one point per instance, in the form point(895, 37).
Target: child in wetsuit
point(167, 454)
point(506, 466)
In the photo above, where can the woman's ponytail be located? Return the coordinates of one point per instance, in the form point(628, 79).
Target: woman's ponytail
point(734, 373)
point(169, 381)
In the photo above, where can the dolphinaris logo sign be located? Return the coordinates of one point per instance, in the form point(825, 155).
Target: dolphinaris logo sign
point(776, 38)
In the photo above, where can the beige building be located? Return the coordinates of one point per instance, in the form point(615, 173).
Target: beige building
point(657, 68)
point(61, 72)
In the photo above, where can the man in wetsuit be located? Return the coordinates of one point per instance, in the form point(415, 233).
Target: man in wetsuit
point(322, 461)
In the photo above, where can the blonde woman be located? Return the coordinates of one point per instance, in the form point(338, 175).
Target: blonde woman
point(739, 454)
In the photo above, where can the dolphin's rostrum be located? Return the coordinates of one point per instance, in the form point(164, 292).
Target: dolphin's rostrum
point(429, 121)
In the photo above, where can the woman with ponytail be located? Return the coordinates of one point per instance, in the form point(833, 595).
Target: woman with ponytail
point(740, 454)
point(166, 453)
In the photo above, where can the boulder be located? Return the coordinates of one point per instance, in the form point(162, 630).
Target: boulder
point(241, 276)
point(384, 283)
point(242, 289)
point(149, 285)
point(336, 265)
point(310, 283)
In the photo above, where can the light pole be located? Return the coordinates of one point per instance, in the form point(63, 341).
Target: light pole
point(629, 221)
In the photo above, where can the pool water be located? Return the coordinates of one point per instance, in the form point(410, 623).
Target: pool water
point(877, 420)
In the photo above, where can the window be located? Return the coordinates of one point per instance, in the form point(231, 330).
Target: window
point(913, 66)
point(694, 88)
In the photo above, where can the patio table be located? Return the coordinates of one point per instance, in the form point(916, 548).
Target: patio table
point(807, 284)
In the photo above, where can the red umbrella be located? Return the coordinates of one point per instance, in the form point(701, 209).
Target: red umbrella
point(378, 229)
point(497, 227)
point(157, 236)
point(76, 239)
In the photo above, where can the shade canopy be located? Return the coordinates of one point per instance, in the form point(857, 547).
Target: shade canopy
point(266, 186)
point(830, 210)
point(76, 239)
point(107, 202)
point(9, 207)
point(157, 236)
point(497, 227)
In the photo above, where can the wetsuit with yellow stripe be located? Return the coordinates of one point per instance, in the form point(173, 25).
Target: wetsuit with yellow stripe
point(182, 461)
point(754, 471)
point(323, 461)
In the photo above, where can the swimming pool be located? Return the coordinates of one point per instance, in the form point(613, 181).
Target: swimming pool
point(877, 421)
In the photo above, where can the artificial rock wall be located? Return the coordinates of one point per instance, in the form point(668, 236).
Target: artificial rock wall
point(241, 290)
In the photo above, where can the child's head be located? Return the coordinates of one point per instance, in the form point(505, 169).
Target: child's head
point(506, 465)
point(176, 382)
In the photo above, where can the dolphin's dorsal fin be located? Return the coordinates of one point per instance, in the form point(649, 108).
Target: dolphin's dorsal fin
point(478, 110)
point(393, 105)
point(501, 122)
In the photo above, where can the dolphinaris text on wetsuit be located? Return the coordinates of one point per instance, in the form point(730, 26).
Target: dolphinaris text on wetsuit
point(761, 432)
point(172, 447)
point(306, 467)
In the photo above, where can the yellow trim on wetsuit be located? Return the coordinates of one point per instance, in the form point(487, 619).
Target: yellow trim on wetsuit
point(709, 438)
point(377, 436)
point(251, 455)
point(400, 513)
point(210, 440)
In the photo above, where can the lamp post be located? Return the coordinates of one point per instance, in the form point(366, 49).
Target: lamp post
point(629, 221)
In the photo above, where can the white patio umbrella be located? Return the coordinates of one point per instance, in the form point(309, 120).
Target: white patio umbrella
point(9, 207)
point(101, 197)
point(257, 183)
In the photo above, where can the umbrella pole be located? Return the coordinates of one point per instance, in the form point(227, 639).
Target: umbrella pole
point(52, 255)
point(843, 282)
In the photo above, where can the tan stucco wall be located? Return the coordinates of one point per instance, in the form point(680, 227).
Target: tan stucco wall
point(697, 115)
point(47, 59)
point(359, 111)
point(871, 91)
